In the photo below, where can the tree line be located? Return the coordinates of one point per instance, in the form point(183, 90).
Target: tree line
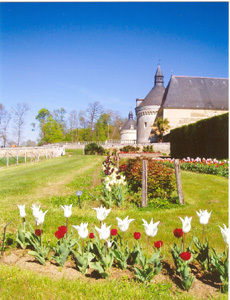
point(16, 116)
point(93, 124)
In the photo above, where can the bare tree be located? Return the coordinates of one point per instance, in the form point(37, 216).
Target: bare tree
point(82, 119)
point(19, 113)
point(73, 120)
point(94, 111)
point(4, 123)
point(73, 123)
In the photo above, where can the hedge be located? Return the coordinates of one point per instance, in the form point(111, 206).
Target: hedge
point(205, 138)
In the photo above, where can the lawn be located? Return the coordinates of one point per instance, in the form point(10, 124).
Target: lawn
point(55, 181)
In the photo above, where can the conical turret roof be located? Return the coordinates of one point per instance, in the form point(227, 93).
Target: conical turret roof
point(155, 96)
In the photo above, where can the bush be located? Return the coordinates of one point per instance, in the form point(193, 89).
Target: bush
point(94, 149)
point(161, 179)
point(128, 149)
point(148, 149)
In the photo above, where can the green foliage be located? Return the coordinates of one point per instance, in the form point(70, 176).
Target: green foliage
point(94, 149)
point(63, 248)
point(202, 138)
point(202, 254)
point(83, 258)
point(104, 256)
point(148, 149)
point(121, 254)
point(40, 251)
point(182, 266)
point(161, 179)
point(220, 265)
point(149, 267)
point(21, 236)
point(129, 148)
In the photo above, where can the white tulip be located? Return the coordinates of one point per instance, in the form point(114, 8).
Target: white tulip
point(67, 210)
point(104, 232)
point(82, 230)
point(225, 234)
point(40, 217)
point(150, 229)
point(124, 224)
point(35, 210)
point(203, 216)
point(109, 243)
point(102, 212)
point(22, 210)
point(186, 224)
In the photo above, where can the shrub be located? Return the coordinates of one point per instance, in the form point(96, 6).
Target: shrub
point(128, 149)
point(94, 149)
point(148, 149)
point(161, 179)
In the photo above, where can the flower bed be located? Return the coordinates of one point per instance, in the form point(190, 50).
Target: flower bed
point(206, 166)
point(102, 247)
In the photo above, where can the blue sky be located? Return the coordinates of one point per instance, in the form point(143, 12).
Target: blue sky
point(68, 55)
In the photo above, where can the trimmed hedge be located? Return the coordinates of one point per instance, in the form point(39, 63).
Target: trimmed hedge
point(94, 149)
point(205, 138)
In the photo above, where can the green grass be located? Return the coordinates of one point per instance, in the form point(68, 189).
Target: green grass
point(23, 284)
point(53, 181)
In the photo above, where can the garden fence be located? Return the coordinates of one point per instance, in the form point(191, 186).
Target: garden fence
point(14, 156)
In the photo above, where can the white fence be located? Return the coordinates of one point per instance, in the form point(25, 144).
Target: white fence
point(10, 156)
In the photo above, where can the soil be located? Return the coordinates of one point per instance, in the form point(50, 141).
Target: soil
point(205, 285)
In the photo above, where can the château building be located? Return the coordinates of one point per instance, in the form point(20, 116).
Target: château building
point(185, 100)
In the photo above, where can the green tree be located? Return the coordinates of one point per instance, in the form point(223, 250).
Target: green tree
point(52, 132)
point(159, 127)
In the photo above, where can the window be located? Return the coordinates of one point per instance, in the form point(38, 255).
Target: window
point(145, 124)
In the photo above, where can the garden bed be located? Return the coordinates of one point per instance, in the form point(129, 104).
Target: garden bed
point(205, 286)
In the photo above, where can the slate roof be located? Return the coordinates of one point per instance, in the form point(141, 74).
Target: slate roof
point(154, 97)
point(196, 92)
point(130, 124)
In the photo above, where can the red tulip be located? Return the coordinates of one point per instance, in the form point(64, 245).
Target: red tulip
point(137, 235)
point(38, 232)
point(158, 244)
point(113, 232)
point(178, 233)
point(61, 232)
point(185, 255)
point(91, 235)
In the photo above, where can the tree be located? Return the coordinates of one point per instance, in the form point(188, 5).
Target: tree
point(73, 123)
point(52, 132)
point(43, 116)
point(101, 132)
point(59, 116)
point(19, 113)
point(5, 118)
point(159, 127)
point(94, 111)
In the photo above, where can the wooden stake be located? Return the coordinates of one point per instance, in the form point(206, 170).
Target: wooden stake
point(178, 181)
point(144, 183)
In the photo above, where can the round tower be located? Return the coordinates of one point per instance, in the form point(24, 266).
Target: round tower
point(147, 109)
point(128, 132)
